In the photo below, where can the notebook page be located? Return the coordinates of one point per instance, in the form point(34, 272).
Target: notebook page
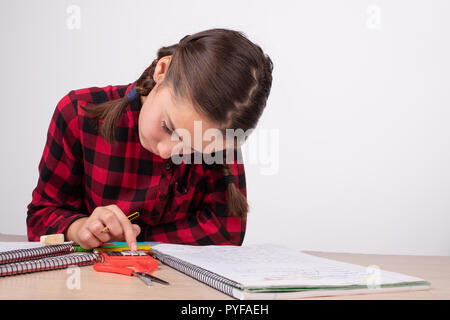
point(8, 246)
point(265, 266)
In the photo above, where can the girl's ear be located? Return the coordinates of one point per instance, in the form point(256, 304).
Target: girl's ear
point(161, 68)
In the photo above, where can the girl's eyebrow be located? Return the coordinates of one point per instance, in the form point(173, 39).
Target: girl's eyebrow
point(172, 127)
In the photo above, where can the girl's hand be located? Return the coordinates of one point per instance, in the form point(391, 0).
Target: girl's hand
point(87, 232)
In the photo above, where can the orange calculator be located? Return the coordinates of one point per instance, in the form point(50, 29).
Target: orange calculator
point(130, 263)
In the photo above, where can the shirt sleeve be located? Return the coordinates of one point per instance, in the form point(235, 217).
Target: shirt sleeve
point(212, 223)
point(56, 200)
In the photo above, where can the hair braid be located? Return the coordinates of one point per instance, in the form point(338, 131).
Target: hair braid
point(237, 202)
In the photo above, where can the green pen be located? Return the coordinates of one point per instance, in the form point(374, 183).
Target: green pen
point(78, 248)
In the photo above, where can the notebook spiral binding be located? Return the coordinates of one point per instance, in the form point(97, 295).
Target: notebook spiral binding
point(49, 263)
point(210, 278)
point(44, 258)
point(35, 253)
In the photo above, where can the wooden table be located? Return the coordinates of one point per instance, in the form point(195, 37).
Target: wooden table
point(96, 285)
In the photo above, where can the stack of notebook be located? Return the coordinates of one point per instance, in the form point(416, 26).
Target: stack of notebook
point(24, 257)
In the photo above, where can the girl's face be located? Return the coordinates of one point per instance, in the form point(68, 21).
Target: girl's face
point(160, 116)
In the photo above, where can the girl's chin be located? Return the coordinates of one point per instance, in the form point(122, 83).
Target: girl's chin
point(146, 145)
point(148, 148)
point(151, 150)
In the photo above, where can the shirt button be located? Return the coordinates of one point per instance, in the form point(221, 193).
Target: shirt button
point(168, 166)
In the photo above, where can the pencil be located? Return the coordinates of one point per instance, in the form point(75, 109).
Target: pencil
point(131, 217)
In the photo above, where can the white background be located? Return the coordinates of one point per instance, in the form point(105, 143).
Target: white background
point(360, 102)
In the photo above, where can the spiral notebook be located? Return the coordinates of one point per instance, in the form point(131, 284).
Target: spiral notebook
point(24, 257)
point(277, 272)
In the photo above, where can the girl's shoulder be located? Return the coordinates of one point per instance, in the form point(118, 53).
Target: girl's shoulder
point(97, 95)
point(68, 112)
point(69, 105)
point(92, 95)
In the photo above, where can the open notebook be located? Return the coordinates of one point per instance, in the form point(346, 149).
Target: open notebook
point(277, 272)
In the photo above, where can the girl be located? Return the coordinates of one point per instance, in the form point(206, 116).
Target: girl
point(109, 150)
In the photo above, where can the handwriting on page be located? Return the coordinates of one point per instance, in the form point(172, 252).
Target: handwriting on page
point(272, 265)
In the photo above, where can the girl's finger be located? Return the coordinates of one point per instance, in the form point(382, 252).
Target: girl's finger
point(128, 230)
point(87, 240)
point(109, 219)
point(96, 228)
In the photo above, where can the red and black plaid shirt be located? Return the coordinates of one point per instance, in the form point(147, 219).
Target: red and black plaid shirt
point(79, 171)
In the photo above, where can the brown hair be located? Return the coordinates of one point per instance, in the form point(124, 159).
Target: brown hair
point(225, 76)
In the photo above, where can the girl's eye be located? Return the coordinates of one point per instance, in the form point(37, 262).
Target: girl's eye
point(165, 128)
